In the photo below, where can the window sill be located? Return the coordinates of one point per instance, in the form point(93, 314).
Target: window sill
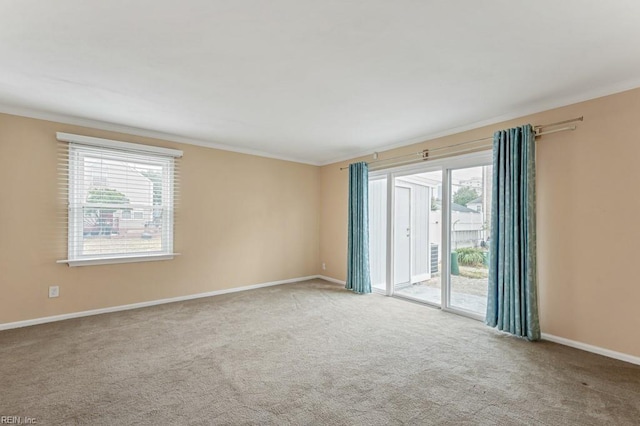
point(118, 259)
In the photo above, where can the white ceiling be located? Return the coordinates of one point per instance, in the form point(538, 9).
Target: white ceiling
point(312, 81)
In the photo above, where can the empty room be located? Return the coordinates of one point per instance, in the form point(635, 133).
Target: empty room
point(297, 212)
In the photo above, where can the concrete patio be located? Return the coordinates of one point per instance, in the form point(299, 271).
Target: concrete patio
point(466, 293)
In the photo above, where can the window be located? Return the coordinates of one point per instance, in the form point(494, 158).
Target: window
point(120, 200)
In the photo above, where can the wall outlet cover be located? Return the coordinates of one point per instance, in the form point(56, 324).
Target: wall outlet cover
point(54, 291)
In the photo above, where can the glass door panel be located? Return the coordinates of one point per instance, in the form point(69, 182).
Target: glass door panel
point(378, 233)
point(470, 190)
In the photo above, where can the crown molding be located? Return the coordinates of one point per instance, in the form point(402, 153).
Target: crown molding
point(530, 109)
point(136, 131)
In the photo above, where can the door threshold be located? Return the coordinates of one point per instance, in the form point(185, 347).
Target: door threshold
point(416, 300)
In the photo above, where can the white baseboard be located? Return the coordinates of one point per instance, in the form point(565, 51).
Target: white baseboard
point(331, 280)
point(62, 317)
point(594, 349)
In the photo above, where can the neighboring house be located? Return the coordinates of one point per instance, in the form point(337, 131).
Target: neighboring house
point(474, 182)
point(479, 205)
point(135, 214)
point(476, 204)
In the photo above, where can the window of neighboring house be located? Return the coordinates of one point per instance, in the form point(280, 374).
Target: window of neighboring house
point(110, 182)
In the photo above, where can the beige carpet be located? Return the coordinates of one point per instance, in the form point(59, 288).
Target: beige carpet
point(306, 353)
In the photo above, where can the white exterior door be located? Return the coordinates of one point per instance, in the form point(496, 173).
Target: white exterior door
point(420, 209)
point(402, 237)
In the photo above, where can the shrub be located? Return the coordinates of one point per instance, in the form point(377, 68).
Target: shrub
point(470, 256)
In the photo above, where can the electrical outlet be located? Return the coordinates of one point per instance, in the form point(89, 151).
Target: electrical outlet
point(324, 266)
point(54, 291)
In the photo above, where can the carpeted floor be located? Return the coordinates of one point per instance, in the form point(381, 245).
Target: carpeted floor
point(305, 353)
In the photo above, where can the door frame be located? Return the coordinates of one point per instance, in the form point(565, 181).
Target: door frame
point(446, 165)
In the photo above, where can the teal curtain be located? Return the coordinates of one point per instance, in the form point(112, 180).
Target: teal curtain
point(358, 278)
point(512, 304)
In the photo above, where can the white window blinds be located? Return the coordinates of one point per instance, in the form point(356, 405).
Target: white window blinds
point(120, 197)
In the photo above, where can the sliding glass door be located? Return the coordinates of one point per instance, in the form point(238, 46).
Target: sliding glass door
point(429, 229)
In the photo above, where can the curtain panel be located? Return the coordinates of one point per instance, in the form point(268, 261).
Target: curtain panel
point(512, 304)
point(358, 278)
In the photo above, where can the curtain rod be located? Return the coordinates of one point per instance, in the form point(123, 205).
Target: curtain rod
point(426, 153)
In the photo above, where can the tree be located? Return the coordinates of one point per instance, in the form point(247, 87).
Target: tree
point(106, 196)
point(464, 195)
point(435, 204)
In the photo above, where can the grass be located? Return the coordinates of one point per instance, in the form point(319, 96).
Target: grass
point(474, 272)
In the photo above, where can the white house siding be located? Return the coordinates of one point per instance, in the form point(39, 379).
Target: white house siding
point(378, 231)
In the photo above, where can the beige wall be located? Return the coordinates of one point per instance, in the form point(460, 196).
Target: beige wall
point(588, 207)
point(242, 220)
